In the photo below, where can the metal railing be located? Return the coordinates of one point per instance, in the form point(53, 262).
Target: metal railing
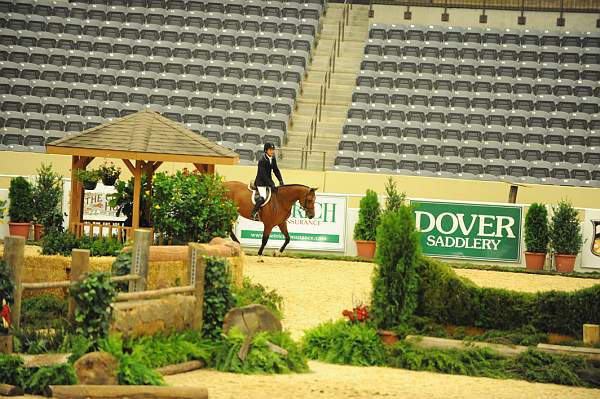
point(304, 157)
point(307, 149)
point(591, 6)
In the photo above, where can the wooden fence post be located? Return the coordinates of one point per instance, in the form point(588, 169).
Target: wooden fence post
point(80, 264)
point(14, 253)
point(139, 259)
point(197, 269)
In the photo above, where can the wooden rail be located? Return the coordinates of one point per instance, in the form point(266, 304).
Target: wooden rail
point(68, 283)
point(118, 231)
point(151, 294)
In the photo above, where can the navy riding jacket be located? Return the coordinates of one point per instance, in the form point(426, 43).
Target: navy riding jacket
point(263, 175)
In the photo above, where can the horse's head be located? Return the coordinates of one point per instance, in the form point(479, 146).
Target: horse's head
point(309, 202)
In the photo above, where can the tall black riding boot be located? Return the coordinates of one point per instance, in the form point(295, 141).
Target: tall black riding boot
point(258, 202)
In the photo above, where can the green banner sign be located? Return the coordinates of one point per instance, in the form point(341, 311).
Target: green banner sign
point(471, 231)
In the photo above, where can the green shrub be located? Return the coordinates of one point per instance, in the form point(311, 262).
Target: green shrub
point(93, 296)
point(56, 241)
point(565, 230)
point(121, 267)
point(6, 289)
point(395, 282)
point(368, 217)
point(42, 378)
point(260, 359)
point(87, 176)
point(537, 366)
point(449, 299)
point(20, 207)
point(536, 228)
point(43, 311)
point(131, 370)
point(251, 293)
point(191, 207)
point(105, 246)
point(162, 350)
point(122, 201)
point(344, 343)
point(12, 370)
point(393, 199)
point(47, 195)
point(218, 296)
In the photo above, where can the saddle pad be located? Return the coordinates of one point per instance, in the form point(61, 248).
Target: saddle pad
point(253, 193)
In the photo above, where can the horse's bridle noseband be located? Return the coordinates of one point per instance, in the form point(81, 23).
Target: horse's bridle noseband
point(305, 201)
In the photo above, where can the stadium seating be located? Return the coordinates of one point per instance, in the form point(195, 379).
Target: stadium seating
point(219, 67)
point(478, 104)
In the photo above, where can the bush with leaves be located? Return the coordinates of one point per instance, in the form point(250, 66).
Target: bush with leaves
point(121, 267)
point(122, 201)
point(43, 311)
point(132, 370)
point(218, 295)
point(368, 217)
point(395, 281)
point(105, 246)
point(251, 293)
point(536, 228)
point(565, 230)
point(47, 195)
point(342, 342)
point(191, 207)
point(6, 289)
point(260, 359)
point(12, 370)
point(20, 207)
point(394, 199)
point(93, 296)
point(57, 241)
point(41, 379)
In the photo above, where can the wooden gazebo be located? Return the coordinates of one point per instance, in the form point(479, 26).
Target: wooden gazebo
point(143, 141)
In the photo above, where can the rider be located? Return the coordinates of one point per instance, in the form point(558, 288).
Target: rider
point(266, 164)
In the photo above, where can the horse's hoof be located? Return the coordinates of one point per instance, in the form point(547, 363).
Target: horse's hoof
point(275, 254)
point(260, 259)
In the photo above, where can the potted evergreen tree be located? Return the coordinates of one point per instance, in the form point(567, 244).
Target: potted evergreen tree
point(89, 178)
point(365, 230)
point(20, 208)
point(565, 236)
point(536, 236)
point(47, 196)
point(109, 173)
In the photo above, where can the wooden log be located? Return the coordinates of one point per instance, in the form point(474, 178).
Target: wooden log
point(181, 367)
point(14, 252)
point(10, 390)
point(126, 277)
point(591, 334)
point(46, 285)
point(44, 360)
point(132, 296)
point(139, 259)
point(444, 343)
point(122, 391)
point(80, 264)
point(589, 353)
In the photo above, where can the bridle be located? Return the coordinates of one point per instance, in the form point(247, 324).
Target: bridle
point(304, 205)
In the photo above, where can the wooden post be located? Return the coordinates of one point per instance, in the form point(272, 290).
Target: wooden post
point(137, 187)
point(124, 391)
point(80, 264)
point(139, 259)
point(10, 390)
point(197, 269)
point(14, 253)
point(591, 334)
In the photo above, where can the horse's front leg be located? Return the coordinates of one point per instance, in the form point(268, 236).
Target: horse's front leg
point(284, 231)
point(265, 238)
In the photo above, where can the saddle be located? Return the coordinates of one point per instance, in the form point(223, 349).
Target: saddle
point(254, 194)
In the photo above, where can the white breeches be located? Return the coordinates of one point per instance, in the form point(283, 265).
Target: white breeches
point(262, 191)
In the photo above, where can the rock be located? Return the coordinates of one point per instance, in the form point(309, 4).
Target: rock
point(251, 319)
point(97, 368)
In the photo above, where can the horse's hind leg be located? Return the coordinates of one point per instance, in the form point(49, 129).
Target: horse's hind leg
point(233, 237)
point(265, 238)
point(284, 231)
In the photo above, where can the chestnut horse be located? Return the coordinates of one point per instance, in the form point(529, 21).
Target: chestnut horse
point(277, 211)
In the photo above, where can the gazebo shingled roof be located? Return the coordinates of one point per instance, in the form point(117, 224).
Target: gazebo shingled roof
point(145, 137)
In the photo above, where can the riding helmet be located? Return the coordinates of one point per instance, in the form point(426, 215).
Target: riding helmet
point(268, 145)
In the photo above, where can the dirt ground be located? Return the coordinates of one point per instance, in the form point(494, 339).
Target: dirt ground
point(315, 291)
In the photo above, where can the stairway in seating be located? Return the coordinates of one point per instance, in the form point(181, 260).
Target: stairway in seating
point(339, 95)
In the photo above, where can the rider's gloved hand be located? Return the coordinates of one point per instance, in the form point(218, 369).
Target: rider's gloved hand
point(274, 188)
point(281, 182)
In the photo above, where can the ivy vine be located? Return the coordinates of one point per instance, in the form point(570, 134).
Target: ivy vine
point(218, 295)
